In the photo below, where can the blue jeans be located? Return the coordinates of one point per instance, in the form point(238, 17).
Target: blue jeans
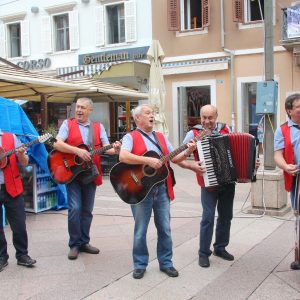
point(158, 201)
point(222, 198)
point(80, 206)
point(15, 213)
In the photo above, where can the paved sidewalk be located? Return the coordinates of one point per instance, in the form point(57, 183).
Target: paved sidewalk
point(262, 246)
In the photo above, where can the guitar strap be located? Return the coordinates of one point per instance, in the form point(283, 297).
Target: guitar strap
point(156, 142)
point(91, 140)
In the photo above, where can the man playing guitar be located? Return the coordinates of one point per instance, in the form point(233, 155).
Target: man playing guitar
point(81, 195)
point(11, 189)
point(134, 145)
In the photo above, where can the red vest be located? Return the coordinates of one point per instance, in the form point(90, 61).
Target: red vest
point(223, 129)
point(288, 154)
point(12, 178)
point(139, 148)
point(75, 139)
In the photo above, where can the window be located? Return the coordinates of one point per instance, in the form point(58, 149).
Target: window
point(116, 24)
point(61, 32)
point(246, 11)
point(188, 14)
point(14, 40)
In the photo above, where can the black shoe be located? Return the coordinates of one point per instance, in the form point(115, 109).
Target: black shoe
point(295, 265)
point(73, 253)
point(89, 249)
point(224, 254)
point(172, 272)
point(3, 264)
point(26, 261)
point(138, 273)
point(204, 261)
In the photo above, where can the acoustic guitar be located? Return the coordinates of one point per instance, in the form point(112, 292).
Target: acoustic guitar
point(5, 154)
point(64, 167)
point(134, 182)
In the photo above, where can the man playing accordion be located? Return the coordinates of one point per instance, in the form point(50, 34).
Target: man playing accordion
point(220, 196)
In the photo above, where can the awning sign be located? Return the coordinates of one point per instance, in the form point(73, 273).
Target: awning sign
point(293, 21)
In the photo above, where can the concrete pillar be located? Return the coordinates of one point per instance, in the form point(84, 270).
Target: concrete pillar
point(268, 194)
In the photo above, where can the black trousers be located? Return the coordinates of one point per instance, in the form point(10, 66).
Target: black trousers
point(15, 213)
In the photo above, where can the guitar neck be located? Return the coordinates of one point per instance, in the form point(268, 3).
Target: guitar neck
point(101, 150)
point(171, 155)
point(8, 153)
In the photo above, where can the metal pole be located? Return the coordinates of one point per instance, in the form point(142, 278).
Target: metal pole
point(269, 75)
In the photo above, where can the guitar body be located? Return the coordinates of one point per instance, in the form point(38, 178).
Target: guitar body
point(134, 182)
point(64, 167)
point(4, 160)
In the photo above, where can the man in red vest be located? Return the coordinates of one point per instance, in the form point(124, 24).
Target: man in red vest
point(134, 145)
point(81, 192)
point(11, 198)
point(287, 155)
point(220, 197)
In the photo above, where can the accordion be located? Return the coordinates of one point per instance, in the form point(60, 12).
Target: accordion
point(228, 158)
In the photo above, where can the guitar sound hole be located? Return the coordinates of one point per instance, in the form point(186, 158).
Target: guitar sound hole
point(148, 171)
point(78, 160)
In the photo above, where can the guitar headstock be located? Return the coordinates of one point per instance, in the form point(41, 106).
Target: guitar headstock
point(202, 134)
point(45, 137)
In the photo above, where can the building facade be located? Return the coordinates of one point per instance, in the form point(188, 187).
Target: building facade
point(214, 51)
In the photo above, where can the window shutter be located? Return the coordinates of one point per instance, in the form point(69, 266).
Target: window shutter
point(46, 39)
point(238, 11)
point(74, 30)
point(3, 41)
point(205, 13)
point(130, 21)
point(25, 42)
point(173, 15)
point(99, 30)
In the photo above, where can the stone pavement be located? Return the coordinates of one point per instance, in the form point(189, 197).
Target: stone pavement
point(262, 246)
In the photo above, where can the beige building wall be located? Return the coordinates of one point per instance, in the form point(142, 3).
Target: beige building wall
point(227, 90)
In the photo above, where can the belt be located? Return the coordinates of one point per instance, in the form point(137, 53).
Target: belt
point(2, 187)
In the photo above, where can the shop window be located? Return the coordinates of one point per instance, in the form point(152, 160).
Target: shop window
point(115, 24)
point(188, 14)
point(247, 11)
point(61, 32)
point(14, 39)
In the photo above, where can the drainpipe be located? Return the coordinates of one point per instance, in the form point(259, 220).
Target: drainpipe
point(232, 74)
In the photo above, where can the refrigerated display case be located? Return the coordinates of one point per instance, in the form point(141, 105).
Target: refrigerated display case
point(40, 191)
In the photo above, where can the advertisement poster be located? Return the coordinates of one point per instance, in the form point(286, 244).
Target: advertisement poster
point(293, 22)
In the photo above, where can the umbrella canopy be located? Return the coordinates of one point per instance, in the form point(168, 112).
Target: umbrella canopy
point(157, 91)
point(20, 84)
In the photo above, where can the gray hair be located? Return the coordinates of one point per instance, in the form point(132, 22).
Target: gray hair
point(86, 99)
point(138, 110)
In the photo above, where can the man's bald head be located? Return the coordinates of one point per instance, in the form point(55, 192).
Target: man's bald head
point(208, 109)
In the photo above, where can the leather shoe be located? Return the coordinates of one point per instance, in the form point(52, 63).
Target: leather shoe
point(224, 254)
point(172, 272)
point(138, 273)
point(73, 253)
point(26, 261)
point(295, 265)
point(89, 249)
point(3, 264)
point(204, 261)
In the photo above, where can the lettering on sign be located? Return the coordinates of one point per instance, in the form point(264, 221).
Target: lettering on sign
point(35, 64)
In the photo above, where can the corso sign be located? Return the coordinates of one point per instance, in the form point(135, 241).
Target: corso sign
point(35, 64)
